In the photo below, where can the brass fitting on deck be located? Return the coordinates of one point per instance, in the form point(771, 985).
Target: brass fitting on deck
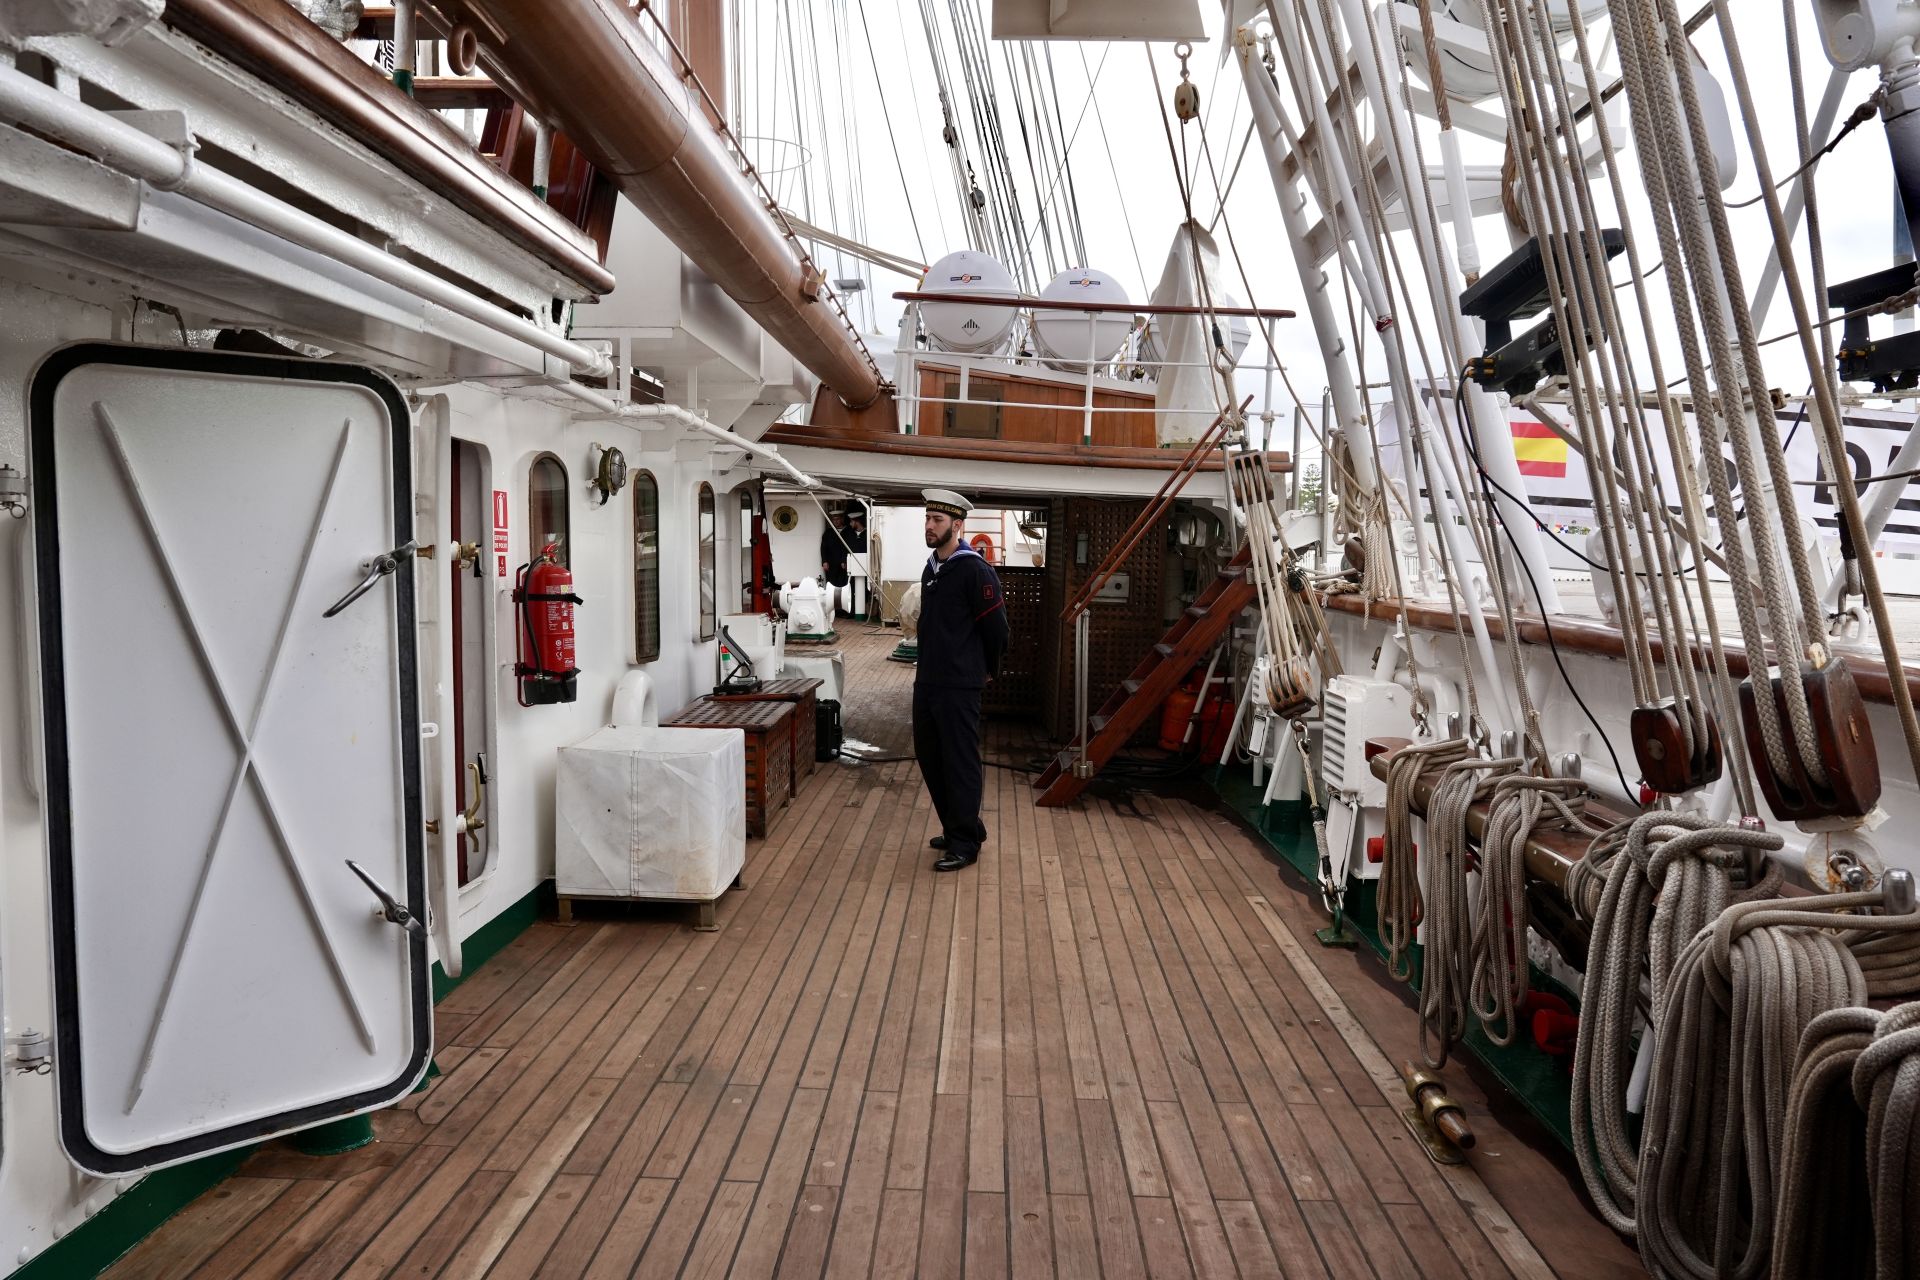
point(1435, 1118)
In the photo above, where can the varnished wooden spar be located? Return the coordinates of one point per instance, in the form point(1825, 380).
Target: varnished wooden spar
point(1550, 853)
point(1581, 635)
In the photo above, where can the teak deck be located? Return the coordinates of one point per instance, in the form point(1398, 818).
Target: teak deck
point(1110, 1049)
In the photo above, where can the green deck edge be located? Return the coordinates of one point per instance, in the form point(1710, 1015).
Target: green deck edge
point(1537, 1079)
point(111, 1234)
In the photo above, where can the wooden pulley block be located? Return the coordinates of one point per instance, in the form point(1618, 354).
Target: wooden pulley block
point(1845, 739)
point(1659, 745)
point(1290, 688)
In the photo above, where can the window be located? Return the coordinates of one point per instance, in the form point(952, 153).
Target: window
point(709, 620)
point(547, 508)
point(978, 417)
point(646, 567)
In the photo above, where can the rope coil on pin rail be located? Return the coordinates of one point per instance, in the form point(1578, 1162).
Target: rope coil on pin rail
point(1446, 971)
point(1743, 993)
point(1518, 806)
point(1853, 1122)
point(1648, 885)
point(1398, 896)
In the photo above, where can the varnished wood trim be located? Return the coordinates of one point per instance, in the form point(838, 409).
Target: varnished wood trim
point(1586, 635)
point(946, 449)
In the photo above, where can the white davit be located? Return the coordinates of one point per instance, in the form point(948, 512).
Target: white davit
point(969, 327)
point(1066, 339)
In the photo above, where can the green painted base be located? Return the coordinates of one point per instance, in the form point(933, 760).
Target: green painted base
point(101, 1240)
point(107, 1236)
point(335, 1137)
point(433, 1073)
point(905, 651)
point(1337, 935)
point(824, 637)
point(1538, 1080)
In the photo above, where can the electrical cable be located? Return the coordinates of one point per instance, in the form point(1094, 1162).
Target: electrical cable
point(1553, 644)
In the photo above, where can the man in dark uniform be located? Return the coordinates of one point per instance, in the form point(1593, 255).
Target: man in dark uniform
point(857, 564)
point(963, 633)
point(833, 554)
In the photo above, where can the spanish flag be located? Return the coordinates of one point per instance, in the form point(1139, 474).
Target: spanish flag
point(1539, 451)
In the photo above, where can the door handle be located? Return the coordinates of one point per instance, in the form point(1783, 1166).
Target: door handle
point(471, 819)
point(391, 909)
point(377, 568)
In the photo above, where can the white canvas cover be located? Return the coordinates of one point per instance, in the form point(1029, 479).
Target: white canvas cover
point(828, 667)
point(1187, 391)
point(651, 813)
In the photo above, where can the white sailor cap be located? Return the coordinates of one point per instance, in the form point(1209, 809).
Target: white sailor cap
point(946, 502)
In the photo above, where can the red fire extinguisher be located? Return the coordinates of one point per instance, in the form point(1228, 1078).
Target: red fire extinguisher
point(543, 598)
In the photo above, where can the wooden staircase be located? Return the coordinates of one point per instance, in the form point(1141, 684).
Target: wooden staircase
point(1191, 638)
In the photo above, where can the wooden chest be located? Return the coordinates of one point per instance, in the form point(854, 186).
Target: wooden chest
point(768, 726)
point(802, 694)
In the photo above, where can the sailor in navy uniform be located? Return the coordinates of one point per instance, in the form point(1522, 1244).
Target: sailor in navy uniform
point(963, 633)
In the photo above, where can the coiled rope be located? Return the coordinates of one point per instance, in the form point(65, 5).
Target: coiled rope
point(1398, 896)
point(1665, 877)
point(1446, 968)
point(1742, 994)
point(1849, 1167)
point(1518, 806)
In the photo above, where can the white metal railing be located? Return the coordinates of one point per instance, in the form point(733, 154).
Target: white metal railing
point(1119, 372)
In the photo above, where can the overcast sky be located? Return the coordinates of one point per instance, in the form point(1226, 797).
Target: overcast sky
point(824, 137)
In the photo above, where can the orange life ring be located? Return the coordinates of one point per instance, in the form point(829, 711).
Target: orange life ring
point(984, 545)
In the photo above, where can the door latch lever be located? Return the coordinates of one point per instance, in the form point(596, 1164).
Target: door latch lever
point(391, 909)
point(377, 568)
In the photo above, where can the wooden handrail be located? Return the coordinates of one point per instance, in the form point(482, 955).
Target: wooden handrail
point(1116, 308)
point(1156, 507)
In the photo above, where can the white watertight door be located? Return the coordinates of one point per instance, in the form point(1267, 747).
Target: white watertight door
point(217, 751)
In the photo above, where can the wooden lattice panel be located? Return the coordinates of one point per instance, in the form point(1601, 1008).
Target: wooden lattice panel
point(1121, 631)
point(1016, 691)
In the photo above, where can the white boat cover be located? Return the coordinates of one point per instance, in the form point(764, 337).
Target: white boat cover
point(651, 813)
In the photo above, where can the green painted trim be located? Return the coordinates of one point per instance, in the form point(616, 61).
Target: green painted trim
point(1540, 1081)
point(491, 938)
point(104, 1238)
point(334, 1137)
point(110, 1234)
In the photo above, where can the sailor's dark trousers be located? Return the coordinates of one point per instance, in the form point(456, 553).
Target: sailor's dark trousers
point(946, 742)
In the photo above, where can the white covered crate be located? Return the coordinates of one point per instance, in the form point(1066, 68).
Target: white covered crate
point(645, 812)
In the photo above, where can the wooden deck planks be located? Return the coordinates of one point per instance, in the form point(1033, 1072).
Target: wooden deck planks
point(1088, 1056)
